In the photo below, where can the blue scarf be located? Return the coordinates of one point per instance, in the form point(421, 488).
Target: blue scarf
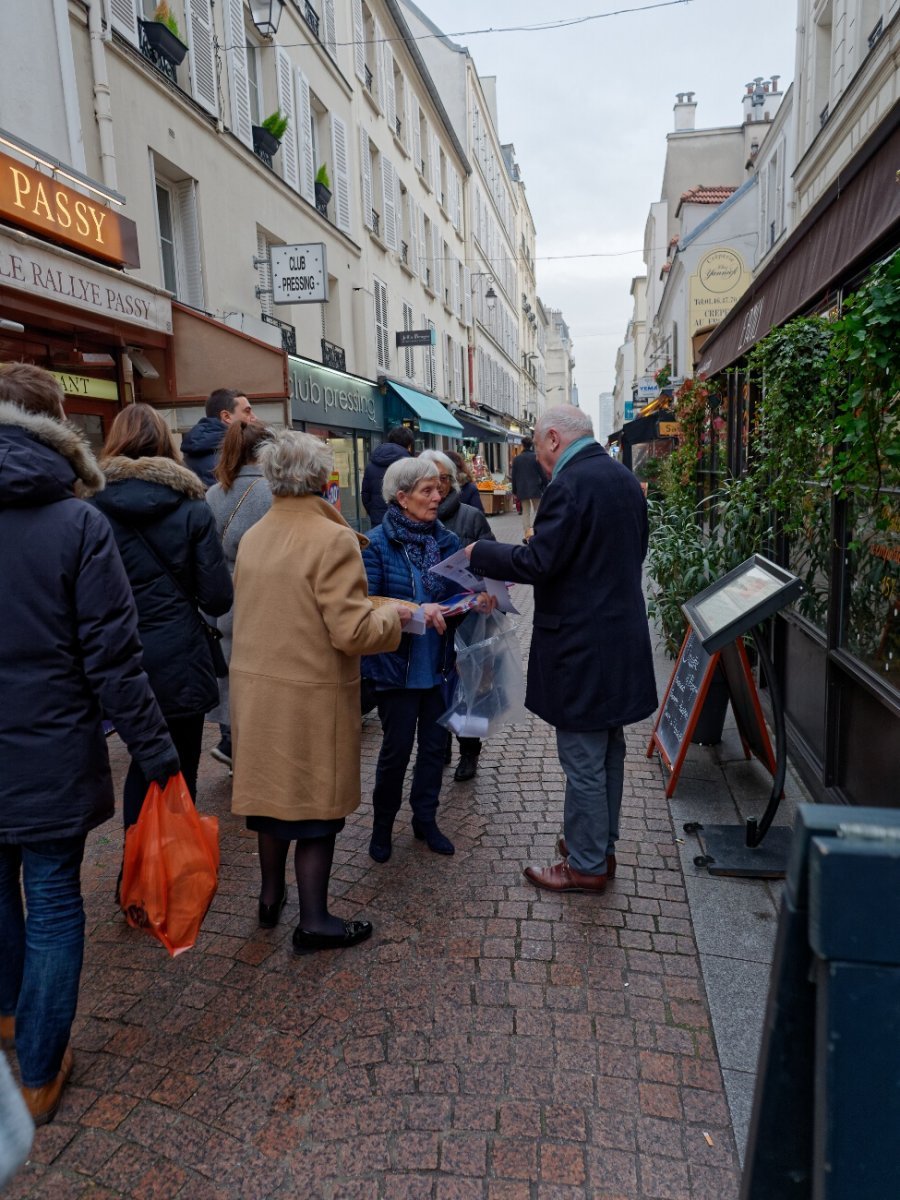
point(421, 546)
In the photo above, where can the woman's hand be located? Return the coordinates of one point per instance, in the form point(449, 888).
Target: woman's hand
point(486, 603)
point(404, 612)
point(434, 618)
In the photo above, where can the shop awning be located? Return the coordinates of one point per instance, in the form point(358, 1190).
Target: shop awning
point(479, 428)
point(208, 354)
point(433, 417)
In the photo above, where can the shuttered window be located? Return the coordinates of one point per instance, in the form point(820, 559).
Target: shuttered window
point(264, 273)
point(123, 14)
point(305, 139)
point(341, 173)
point(365, 172)
point(409, 354)
point(390, 186)
point(382, 342)
point(290, 153)
point(179, 240)
point(238, 72)
point(199, 20)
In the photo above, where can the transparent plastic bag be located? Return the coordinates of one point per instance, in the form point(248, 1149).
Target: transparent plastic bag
point(490, 687)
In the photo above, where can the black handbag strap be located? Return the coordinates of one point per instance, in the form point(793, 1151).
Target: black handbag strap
point(167, 570)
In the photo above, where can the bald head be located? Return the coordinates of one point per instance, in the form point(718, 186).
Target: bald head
point(556, 430)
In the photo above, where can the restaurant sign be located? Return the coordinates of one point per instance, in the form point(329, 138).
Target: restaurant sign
point(86, 385)
point(47, 207)
point(28, 267)
point(720, 281)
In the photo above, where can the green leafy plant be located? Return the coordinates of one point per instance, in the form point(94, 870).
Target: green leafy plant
point(276, 123)
point(322, 177)
point(163, 14)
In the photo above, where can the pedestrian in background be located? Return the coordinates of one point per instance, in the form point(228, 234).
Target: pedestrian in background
point(302, 620)
point(468, 490)
point(201, 445)
point(469, 524)
point(69, 655)
point(398, 444)
point(410, 681)
point(528, 482)
point(167, 537)
point(590, 668)
point(239, 498)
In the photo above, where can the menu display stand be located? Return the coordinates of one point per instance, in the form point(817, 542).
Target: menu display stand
point(719, 617)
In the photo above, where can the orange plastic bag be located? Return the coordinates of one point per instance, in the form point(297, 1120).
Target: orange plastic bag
point(171, 866)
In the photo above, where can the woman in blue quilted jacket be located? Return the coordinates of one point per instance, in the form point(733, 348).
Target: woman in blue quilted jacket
point(399, 557)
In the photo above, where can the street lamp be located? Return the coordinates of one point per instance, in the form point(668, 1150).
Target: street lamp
point(491, 296)
point(265, 15)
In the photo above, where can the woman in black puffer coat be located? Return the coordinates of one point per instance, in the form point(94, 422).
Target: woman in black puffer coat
point(167, 538)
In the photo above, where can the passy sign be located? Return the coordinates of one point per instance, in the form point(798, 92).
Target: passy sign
point(415, 337)
point(299, 274)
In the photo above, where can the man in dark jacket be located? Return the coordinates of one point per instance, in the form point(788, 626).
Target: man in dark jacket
point(398, 444)
point(200, 446)
point(69, 656)
point(528, 481)
point(590, 670)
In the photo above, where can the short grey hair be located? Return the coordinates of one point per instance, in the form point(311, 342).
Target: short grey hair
point(568, 420)
point(443, 463)
point(295, 464)
point(404, 474)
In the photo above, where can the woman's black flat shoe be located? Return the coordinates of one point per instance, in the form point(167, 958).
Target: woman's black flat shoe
point(269, 914)
point(354, 931)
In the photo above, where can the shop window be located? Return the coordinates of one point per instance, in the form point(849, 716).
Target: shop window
point(382, 332)
point(179, 240)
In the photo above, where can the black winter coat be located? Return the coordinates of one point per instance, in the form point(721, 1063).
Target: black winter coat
point(469, 494)
point(468, 523)
point(157, 501)
point(591, 665)
point(69, 648)
point(373, 478)
point(201, 447)
point(528, 480)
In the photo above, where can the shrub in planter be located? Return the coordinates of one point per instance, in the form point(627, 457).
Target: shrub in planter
point(163, 34)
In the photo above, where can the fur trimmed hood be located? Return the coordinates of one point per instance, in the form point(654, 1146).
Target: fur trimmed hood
point(164, 471)
point(67, 440)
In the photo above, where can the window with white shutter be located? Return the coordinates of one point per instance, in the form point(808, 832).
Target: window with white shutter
point(365, 169)
point(389, 189)
point(467, 297)
point(453, 268)
point(457, 373)
point(457, 201)
point(359, 41)
point(238, 72)
point(424, 251)
point(382, 337)
point(389, 102)
point(413, 233)
point(330, 28)
point(199, 20)
point(436, 274)
point(409, 354)
point(378, 54)
point(190, 273)
point(289, 156)
point(305, 139)
point(340, 173)
point(264, 273)
point(123, 14)
point(417, 136)
point(431, 351)
point(436, 166)
point(446, 360)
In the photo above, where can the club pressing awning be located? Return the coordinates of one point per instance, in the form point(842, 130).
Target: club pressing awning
point(480, 429)
point(431, 414)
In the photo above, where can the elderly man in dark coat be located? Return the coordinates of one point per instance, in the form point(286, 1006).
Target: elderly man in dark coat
point(590, 671)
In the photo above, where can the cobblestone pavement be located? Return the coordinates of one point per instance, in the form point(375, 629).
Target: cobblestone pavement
point(490, 1041)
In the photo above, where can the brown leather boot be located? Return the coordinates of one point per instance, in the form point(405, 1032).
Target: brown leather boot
point(7, 1033)
point(43, 1102)
point(610, 858)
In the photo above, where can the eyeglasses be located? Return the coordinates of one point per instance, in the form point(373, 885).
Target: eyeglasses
point(445, 478)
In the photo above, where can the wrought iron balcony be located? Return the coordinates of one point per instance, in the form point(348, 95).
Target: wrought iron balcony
point(376, 223)
point(333, 356)
point(404, 253)
point(398, 126)
point(368, 80)
point(311, 17)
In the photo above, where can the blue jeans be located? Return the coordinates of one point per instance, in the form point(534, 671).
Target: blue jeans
point(41, 956)
point(594, 764)
point(406, 713)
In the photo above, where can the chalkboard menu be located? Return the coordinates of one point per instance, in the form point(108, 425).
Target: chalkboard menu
point(683, 700)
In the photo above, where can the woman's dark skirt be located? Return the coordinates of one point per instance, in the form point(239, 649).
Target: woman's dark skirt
point(289, 831)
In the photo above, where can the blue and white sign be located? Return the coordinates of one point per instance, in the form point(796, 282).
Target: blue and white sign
point(629, 410)
point(647, 388)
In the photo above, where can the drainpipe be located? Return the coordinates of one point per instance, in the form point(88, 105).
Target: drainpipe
point(102, 106)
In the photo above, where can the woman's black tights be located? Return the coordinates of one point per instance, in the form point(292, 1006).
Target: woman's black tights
point(312, 866)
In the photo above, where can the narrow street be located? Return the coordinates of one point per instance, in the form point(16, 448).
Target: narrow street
point(490, 1041)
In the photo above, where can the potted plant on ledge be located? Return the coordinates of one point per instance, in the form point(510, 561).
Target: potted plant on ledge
point(323, 190)
point(267, 137)
point(163, 36)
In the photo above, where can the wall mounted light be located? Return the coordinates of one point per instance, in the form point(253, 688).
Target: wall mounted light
point(266, 15)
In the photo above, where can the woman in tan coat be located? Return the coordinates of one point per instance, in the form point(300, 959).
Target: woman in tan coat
point(302, 618)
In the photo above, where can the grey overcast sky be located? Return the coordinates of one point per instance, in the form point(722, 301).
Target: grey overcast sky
point(588, 109)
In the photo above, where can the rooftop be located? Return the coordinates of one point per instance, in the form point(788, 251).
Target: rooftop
point(701, 194)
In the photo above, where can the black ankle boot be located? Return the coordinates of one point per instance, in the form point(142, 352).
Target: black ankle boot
point(427, 831)
point(380, 844)
point(466, 767)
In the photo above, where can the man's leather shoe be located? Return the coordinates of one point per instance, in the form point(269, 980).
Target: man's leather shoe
point(563, 849)
point(563, 878)
point(7, 1033)
point(465, 768)
point(43, 1102)
point(354, 931)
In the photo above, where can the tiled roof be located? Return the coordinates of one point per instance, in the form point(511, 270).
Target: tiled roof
point(706, 195)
